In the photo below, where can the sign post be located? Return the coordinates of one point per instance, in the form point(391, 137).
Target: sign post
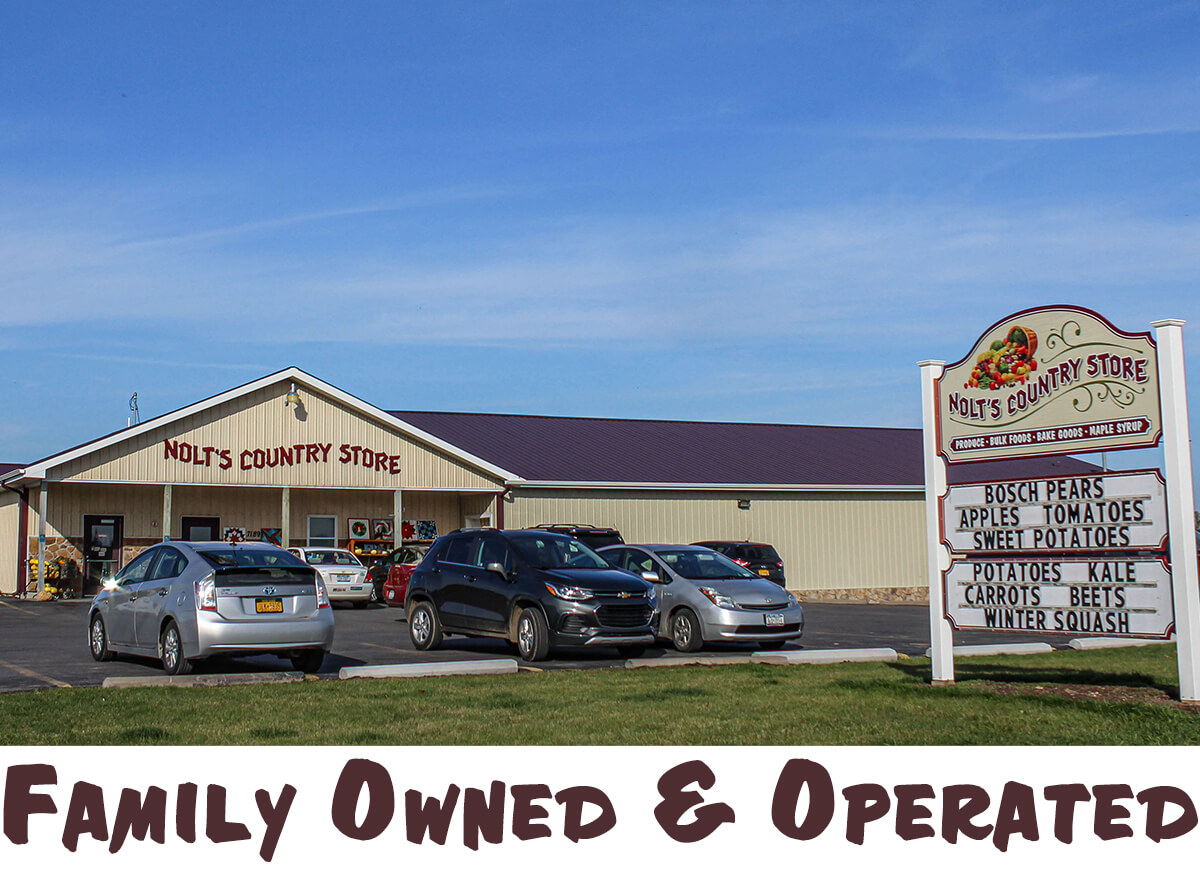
point(1177, 448)
point(937, 558)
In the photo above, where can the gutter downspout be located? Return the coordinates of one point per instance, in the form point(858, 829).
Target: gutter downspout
point(500, 506)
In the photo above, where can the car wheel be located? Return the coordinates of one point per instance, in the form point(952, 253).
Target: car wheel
point(631, 651)
point(308, 661)
point(424, 627)
point(533, 636)
point(98, 639)
point(170, 651)
point(772, 644)
point(374, 594)
point(685, 631)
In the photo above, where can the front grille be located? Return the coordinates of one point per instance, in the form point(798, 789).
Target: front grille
point(757, 630)
point(759, 607)
point(624, 616)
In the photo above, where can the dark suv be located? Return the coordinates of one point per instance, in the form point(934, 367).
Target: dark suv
point(594, 537)
point(759, 558)
point(535, 588)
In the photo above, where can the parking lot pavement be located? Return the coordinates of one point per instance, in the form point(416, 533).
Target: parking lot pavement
point(44, 645)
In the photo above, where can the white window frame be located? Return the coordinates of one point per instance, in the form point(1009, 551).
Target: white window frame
point(322, 542)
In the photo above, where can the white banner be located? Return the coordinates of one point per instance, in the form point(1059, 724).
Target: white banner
point(597, 808)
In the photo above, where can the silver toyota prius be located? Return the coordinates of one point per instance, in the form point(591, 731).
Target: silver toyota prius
point(181, 602)
point(704, 596)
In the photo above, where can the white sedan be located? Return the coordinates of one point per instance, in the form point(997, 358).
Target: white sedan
point(343, 573)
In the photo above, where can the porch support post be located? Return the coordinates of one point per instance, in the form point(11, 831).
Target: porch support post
point(42, 502)
point(166, 519)
point(285, 522)
point(397, 518)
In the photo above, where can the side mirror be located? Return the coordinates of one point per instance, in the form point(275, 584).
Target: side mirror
point(499, 569)
point(651, 577)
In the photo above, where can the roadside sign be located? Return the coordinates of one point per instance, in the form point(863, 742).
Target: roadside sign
point(1049, 381)
point(1115, 511)
point(1120, 596)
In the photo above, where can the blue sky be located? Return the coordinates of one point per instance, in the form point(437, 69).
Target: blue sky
point(750, 211)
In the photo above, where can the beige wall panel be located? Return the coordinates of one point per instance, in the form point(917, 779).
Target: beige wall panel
point(261, 422)
point(827, 541)
point(66, 504)
point(442, 508)
point(10, 537)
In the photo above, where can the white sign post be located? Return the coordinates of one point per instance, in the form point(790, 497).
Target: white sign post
point(938, 559)
point(1177, 447)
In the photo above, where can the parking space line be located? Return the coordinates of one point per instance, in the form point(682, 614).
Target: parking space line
point(29, 673)
point(19, 609)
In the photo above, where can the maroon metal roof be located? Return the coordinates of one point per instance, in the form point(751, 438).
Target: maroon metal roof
point(539, 448)
point(6, 468)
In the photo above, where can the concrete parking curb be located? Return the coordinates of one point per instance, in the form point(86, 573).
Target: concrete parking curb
point(991, 650)
point(720, 660)
point(427, 670)
point(832, 655)
point(1091, 644)
point(224, 680)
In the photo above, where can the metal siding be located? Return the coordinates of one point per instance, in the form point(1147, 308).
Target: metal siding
point(260, 420)
point(826, 541)
point(10, 536)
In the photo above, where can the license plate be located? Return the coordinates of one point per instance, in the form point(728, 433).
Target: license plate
point(764, 572)
point(266, 606)
point(773, 620)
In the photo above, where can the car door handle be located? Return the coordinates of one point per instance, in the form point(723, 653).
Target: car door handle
point(162, 591)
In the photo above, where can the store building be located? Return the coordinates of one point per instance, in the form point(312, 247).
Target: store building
point(293, 460)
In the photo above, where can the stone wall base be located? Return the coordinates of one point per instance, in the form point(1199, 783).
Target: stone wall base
point(908, 595)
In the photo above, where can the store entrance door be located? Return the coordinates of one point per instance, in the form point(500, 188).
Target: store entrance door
point(103, 536)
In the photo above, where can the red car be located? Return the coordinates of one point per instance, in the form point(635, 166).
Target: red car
point(395, 588)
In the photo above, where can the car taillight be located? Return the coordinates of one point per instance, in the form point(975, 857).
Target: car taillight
point(322, 595)
point(740, 562)
point(206, 594)
point(779, 563)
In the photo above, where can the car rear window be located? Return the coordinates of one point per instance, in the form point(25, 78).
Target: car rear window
point(758, 553)
point(224, 559)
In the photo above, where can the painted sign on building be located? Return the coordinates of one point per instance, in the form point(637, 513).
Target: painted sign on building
point(1059, 380)
point(1114, 511)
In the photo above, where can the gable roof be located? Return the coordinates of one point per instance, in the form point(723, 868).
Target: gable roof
point(39, 469)
point(550, 450)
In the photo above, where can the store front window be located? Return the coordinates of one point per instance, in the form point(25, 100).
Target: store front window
point(322, 531)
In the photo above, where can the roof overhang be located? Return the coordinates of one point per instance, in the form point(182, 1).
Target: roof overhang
point(709, 486)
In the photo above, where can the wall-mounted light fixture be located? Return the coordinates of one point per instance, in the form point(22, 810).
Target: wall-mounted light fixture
point(743, 504)
point(293, 397)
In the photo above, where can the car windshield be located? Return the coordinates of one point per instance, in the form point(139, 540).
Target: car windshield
point(242, 557)
point(552, 551)
point(698, 565)
point(331, 558)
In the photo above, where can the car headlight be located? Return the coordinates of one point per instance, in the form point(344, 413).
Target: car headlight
point(652, 597)
point(569, 592)
point(718, 598)
point(792, 601)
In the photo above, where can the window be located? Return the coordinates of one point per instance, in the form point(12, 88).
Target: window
point(138, 567)
point(169, 565)
point(494, 551)
point(460, 550)
point(322, 531)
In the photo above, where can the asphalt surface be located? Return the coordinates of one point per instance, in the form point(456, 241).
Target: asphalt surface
point(44, 644)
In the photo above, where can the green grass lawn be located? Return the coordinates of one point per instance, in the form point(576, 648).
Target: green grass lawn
point(1110, 697)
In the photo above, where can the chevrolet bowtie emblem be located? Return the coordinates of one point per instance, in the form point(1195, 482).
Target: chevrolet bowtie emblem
point(624, 594)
